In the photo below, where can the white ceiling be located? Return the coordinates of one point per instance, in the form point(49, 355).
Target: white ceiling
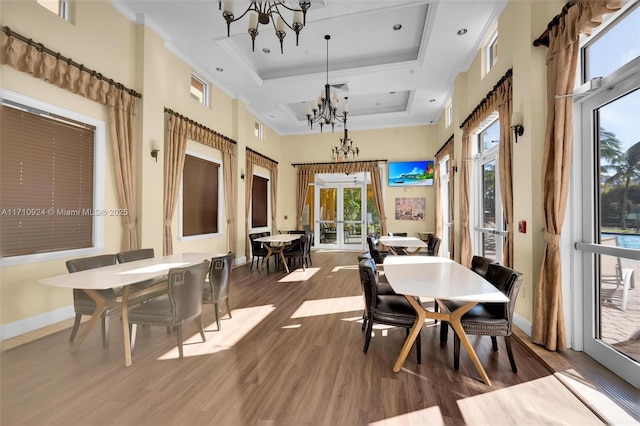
point(393, 78)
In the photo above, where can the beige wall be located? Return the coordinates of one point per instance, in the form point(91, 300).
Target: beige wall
point(134, 55)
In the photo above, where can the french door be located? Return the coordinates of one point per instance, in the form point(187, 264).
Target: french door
point(340, 215)
point(610, 246)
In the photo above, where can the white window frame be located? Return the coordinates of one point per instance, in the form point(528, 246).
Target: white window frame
point(259, 127)
point(489, 61)
point(63, 10)
point(266, 176)
point(181, 236)
point(449, 114)
point(98, 179)
point(205, 91)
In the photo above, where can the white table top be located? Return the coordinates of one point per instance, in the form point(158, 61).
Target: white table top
point(126, 273)
point(279, 238)
point(439, 278)
point(412, 242)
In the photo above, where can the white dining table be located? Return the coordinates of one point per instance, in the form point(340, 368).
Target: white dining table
point(405, 242)
point(275, 244)
point(441, 279)
point(123, 275)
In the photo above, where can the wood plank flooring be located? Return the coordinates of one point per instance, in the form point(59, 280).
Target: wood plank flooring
point(291, 355)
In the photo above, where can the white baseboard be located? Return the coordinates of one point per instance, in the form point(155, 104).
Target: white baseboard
point(522, 323)
point(26, 325)
point(241, 260)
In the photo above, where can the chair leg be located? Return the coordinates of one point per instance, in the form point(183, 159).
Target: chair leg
point(132, 332)
point(217, 314)
point(364, 322)
point(494, 343)
point(199, 320)
point(180, 341)
point(444, 333)
point(105, 332)
point(367, 336)
point(226, 302)
point(76, 325)
point(419, 347)
point(507, 341)
point(456, 352)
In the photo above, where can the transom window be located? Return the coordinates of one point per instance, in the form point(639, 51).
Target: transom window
point(59, 7)
point(449, 115)
point(491, 53)
point(199, 90)
point(259, 130)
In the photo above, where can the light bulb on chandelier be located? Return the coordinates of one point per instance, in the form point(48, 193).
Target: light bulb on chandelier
point(325, 109)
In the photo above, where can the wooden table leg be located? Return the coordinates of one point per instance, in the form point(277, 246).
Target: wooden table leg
point(266, 258)
point(100, 306)
point(125, 326)
point(456, 324)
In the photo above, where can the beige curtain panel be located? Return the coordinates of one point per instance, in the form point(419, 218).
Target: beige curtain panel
point(33, 58)
point(505, 164)
point(304, 179)
point(445, 151)
point(562, 58)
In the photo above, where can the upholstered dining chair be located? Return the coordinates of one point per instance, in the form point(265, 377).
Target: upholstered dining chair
point(181, 304)
point(480, 264)
point(85, 305)
point(140, 254)
point(257, 249)
point(390, 309)
point(300, 253)
point(377, 254)
point(489, 319)
point(216, 287)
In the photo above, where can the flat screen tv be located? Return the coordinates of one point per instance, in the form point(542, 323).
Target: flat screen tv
point(411, 173)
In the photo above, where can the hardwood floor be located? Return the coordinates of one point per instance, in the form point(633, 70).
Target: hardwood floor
point(291, 355)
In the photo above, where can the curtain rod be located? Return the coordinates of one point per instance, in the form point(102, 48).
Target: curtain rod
point(42, 48)
point(508, 74)
point(444, 145)
point(195, 123)
point(543, 40)
point(333, 162)
point(262, 155)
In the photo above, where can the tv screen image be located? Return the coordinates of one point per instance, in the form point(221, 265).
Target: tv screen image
point(411, 173)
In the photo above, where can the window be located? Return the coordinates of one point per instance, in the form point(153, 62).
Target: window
point(48, 181)
point(259, 130)
point(200, 179)
point(259, 202)
point(491, 52)
point(59, 7)
point(449, 115)
point(199, 90)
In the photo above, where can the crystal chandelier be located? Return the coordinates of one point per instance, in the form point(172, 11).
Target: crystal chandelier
point(344, 148)
point(325, 110)
point(265, 12)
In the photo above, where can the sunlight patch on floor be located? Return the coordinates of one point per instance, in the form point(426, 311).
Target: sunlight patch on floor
point(428, 416)
point(299, 275)
point(233, 329)
point(312, 308)
point(292, 326)
point(540, 401)
point(345, 268)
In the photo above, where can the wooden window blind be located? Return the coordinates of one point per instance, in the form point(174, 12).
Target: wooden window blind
point(199, 197)
point(259, 202)
point(47, 183)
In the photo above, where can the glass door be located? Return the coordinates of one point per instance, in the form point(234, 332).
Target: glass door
point(446, 216)
point(340, 216)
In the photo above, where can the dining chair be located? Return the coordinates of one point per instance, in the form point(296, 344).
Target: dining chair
point(480, 264)
point(85, 305)
point(140, 254)
point(612, 272)
point(489, 319)
point(389, 309)
point(216, 287)
point(300, 252)
point(400, 250)
point(377, 254)
point(257, 249)
point(180, 305)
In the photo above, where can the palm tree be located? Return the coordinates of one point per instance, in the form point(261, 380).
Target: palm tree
point(624, 166)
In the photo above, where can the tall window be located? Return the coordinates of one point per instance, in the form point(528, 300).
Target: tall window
point(199, 196)
point(491, 52)
point(489, 223)
point(260, 202)
point(47, 183)
point(199, 90)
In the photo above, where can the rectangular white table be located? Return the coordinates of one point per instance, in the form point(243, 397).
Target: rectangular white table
point(275, 244)
point(123, 275)
point(441, 279)
point(405, 242)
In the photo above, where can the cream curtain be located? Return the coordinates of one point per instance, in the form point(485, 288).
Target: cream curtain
point(562, 56)
point(505, 165)
point(179, 129)
point(304, 179)
point(466, 251)
point(32, 58)
point(445, 151)
point(342, 167)
point(262, 161)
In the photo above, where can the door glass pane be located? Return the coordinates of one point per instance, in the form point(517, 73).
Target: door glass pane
point(489, 207)
point(352, 215)
point(328, 209)
point(373, 217)
point(619, 222)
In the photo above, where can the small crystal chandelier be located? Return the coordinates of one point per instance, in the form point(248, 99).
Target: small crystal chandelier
point(344, 148)
point(325, 110)
point(265, 12)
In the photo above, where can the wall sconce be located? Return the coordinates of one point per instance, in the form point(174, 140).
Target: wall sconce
point(154, 153)
point(454, 167)
point(518, 128)
point(242, 174)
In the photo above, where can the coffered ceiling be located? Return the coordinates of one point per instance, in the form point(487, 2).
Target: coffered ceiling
point(392, 77)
